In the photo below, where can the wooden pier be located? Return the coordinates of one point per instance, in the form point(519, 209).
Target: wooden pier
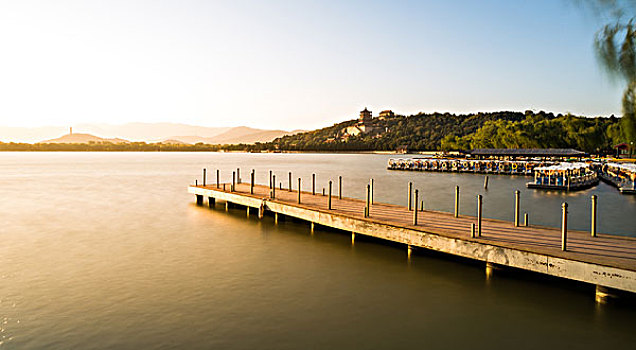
point(607, 261)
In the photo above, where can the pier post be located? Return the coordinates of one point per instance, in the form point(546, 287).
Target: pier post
point(290, 182)
point(472, 229)
point(410, 196)
point(261, 211)
point(422, 205)
point(238, 175)
point(604, 294)
point(211, 202)
point(366, 203)
point(204, 170)
point(217, 178)
point(313, 184)
point(252, 182)
point(196, 182)
point(274, 187)
point(415, 211)
point(330, 194)
point(564, 226)
point(490, 269)
point(517, 208)
point(323, 191)
point(525, 220)
point(456, 201)
point(593, 222)
point(372, 190)
point(270, 180)
point(479, 207)
point(233, 181)
point(486, 183)
point(199, 199)
point(339, 187)
point(299, 191)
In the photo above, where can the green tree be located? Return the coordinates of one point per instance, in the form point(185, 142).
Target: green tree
point(615, 46)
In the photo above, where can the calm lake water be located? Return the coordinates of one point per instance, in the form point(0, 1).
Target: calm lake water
point(108, 251)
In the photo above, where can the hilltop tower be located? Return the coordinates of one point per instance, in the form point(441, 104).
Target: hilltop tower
point(365, 115)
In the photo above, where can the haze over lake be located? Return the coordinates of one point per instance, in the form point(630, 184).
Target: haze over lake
point(108, 250)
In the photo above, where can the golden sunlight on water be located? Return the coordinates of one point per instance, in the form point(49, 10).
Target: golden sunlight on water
point(107, 250)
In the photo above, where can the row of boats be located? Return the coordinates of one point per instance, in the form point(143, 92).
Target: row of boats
point(550, 175)
point(468, 165)
point(620, 175)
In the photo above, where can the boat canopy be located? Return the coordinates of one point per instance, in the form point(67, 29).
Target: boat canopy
point(563, 167)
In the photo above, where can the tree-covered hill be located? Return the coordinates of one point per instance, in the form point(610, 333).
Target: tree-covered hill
point(592, 135)
point(436, 131)
point(418, 132)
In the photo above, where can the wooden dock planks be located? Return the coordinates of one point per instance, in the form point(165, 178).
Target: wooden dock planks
point(604, 250)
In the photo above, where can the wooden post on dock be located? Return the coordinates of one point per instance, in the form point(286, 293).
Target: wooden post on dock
point(199, 199)
point(564, 226)
point(410, 199)
point(415, 211)
point(456, 201)
point(270, 180)
point(372, 190)
point(274, 187)
point(525, 220)
point(233, 181)
point(211, 202)
point(366, 203)
point(330, 194)
point(486, 183)
point(299, 191)
point(217, 179)
point(517, 208)
point(472, 229)
point(313, 184)
point(196, 182)
point(339, 187)
point(204, 176)
point(593, 222)
point(422, 205)
point(479, 207)
point(290, 184)
point(323, 191)
point(252, 182)
point(238, 175)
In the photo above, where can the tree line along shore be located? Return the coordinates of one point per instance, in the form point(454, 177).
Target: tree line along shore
point(415, 133)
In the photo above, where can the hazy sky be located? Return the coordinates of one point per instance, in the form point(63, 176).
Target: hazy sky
point(293, 64)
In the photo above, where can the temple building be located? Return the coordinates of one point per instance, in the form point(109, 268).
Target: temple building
point(386, 114)
point(365, 115)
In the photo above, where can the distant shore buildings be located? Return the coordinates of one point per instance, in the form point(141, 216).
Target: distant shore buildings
point(365, 124)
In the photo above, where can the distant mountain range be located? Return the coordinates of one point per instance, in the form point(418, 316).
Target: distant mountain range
point(83, 138)
point(146, 132)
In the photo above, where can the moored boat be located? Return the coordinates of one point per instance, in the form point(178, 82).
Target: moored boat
point(564, 177)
